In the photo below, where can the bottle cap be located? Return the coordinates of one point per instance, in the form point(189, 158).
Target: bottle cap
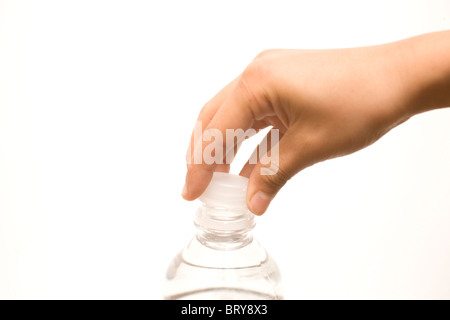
point(226, 190)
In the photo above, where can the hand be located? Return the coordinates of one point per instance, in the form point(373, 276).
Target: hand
point(325, 103)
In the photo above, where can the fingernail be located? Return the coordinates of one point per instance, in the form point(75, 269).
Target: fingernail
point(259, 202)
point(184, 192)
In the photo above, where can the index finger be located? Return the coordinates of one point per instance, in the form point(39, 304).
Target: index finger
point(235, 113)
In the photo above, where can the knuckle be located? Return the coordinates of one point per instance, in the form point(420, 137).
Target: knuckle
point(254, 85)
point(265, 54)
point(249, 84)
point(253, 73)
point(261, 67)
point(204, 114)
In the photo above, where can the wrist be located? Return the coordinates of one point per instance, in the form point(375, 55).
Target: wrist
point(425, 71)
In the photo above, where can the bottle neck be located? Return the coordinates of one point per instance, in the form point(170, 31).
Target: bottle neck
point(224, 228)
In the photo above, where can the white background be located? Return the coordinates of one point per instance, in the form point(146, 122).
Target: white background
point(97, 102)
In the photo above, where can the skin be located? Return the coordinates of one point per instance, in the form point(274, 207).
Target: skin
point(325, 103)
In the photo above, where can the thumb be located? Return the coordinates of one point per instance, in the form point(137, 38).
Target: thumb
point(272, 172)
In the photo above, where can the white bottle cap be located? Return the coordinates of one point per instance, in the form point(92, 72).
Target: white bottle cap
point(226, 190)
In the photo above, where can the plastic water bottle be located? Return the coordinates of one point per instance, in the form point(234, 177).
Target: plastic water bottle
point(224, 260)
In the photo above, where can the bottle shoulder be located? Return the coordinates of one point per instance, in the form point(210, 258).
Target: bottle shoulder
point(250, 255)
point(199, 272)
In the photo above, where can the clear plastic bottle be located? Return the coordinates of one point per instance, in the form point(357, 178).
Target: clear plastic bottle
point(223, 261)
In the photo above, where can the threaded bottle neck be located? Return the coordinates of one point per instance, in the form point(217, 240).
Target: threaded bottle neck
point(223, 219)
point(223, 228)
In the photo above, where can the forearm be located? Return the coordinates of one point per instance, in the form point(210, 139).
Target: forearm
point(426, 71)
